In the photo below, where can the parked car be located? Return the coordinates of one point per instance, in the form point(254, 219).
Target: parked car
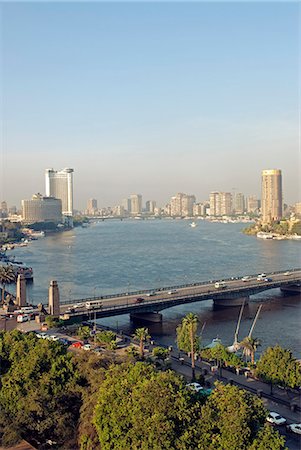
point(87, 347)
point(275, 418)
point(294, 427)
point(53, 337)
point(196, 387)
point(77, 344)
point(41, 335)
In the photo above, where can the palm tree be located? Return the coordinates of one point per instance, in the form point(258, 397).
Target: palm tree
point(7, 275)
point(187, 339)
point(141, 334)
point(250, 346)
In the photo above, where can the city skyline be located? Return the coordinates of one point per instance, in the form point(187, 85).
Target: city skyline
point(153, 98)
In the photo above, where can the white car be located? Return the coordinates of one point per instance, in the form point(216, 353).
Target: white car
point(294, 427)
point(87, 347)
point(246, 278)
point(78, 305)
point(276, 419)
point(173, 291)
point(53, 337)
point(41, 335)
point(195, 387)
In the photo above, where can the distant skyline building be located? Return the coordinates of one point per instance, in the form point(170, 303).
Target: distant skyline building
point(59, 184)
point(42, 209)
point(239, 203)
point(150, 206)
point(220, 203)
point(92, 206)
point(271, 195)
point(126, 203)
point(136, 204)
point(253, 204)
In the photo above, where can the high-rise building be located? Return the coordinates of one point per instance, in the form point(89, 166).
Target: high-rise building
point(239, 206)
point(187, 205)
point(59, 184)
point(150, 206)
point(126, 203)
point(271, 195)
point(92, 206)
point(220, 203)
point(42, 209)
point(136, 204)
point(181, 205)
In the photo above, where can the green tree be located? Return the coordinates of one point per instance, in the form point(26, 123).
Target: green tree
point(141, 334)
point(278, 366)
point(268, 439)
point(7, 276)
point(107, 338)
point(250, 346)
point(38, 392)
point(139, 408)
point(83, 332)
point(187, 339)
point(232, 419)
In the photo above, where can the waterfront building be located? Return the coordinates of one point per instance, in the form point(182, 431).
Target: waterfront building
point(136, 204)
point(239, 203)
point(200, 209)
point(271, 195)
point(3, 209)
point(59, 184)
point(92, 206)
point(220, 203)
point(42, 209)
point(181, 205)
point(150, 206)
point(126, 203)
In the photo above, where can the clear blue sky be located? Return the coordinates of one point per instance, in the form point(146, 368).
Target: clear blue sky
point(154, 98)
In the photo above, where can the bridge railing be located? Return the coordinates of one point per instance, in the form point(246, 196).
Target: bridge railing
point(166, 288)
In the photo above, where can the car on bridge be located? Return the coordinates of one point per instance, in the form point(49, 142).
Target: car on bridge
point(139, 299)
point(220, 285)
point(173, 291)
point(246, 278)
point(151, 294)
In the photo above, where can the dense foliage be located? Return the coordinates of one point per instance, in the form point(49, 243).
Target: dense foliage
point(88, 401)
point(278, 366)
point(38, 399)
point(139, 408)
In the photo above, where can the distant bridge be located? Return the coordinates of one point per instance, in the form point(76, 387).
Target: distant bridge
point(155, 300)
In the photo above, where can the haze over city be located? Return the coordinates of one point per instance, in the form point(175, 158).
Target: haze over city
point(154, 98)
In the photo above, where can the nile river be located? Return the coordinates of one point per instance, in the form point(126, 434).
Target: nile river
point(119, 256)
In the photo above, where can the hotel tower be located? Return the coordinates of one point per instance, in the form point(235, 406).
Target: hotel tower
point(59, 184)
point(271, 195)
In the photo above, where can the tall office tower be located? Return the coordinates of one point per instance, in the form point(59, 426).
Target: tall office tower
point(136, 204)
point(92, 206)
point(59, 184)
point(215, 204)
point(252, 204)
point(239, 206)
point(271, 195)
point(176, 204)
point(150, 206)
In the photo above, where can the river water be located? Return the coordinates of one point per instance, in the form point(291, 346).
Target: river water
point(120, 256)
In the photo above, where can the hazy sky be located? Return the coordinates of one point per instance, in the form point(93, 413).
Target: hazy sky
point(153, 98)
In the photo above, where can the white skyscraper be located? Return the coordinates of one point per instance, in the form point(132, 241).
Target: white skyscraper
point(59, 184)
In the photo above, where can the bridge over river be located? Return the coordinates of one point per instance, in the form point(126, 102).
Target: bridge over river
point(148, 303)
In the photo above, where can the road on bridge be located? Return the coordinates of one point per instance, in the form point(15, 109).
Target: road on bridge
point(191, 291)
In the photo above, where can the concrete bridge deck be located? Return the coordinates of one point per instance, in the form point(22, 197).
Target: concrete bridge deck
point(161, 299)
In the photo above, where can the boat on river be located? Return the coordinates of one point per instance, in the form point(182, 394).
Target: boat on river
point(193, 224)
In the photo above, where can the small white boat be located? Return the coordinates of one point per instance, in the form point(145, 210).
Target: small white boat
point(214, 343)
point(263, 235)
point(193, 224)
